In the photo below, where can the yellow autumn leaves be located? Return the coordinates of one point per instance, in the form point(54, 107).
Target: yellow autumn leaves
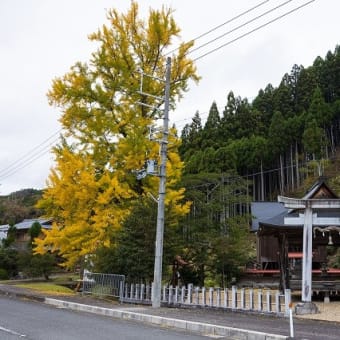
point(93, 186)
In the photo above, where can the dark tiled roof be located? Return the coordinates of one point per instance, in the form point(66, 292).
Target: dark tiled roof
point(316, 186)
point(267, 211)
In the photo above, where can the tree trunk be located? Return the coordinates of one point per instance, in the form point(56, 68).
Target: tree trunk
point(283, 262)
point(292, 167)
point(332, 141)
point(262, 183)
point(282, 176)
point(201, 275)
point(297, 164)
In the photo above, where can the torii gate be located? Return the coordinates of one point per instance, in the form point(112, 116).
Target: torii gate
point(308, 219)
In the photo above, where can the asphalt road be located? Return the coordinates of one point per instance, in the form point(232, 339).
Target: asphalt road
point(35, 321)
point(303, 329)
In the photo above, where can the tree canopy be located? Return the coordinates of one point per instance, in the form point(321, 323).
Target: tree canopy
point(106, 119)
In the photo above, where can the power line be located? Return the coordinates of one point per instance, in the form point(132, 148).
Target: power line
point(253, 30)
point(223, 24)
point(26, 163)
point(246, 177)
point(185, 119)
point(31, 156)
point(243, 35)
point(240, 26)
point(19, 160)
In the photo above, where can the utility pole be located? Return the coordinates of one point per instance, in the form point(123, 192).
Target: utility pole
point(157, 282)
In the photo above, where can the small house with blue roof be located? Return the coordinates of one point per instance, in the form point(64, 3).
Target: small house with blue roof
point(22, 236)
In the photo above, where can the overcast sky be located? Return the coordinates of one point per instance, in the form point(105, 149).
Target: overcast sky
point(41, 39)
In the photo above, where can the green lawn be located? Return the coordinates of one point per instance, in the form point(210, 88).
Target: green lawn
point(47, 287)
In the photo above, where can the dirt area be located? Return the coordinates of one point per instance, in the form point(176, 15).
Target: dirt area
point(327, 312)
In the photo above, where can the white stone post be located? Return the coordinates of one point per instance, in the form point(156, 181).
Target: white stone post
point(176, 294)
point(225, 297)
point(233, 297)
point(251, 299)
point(126, 291)
point(277, 302)
point(170, 294)
point(197, 295)
point(183, 294)
point(142, 291)
point(211, 296)
point(218, 297)
point(243, 300)
point(121, 290)
point(269, 302)
point(204, 298)
point(190, 286)
point(132, 287)
point(164, 294)
point(260, 301)
point(137, 291)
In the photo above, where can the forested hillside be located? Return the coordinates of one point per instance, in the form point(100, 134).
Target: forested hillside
point(284, 135)
point(19, 205)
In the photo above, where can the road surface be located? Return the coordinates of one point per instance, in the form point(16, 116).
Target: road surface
point(30, 320)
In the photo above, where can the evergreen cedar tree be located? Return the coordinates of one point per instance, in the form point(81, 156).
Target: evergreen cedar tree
point(281, 128)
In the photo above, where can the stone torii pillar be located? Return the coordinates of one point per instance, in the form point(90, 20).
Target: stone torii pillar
point(307, 306)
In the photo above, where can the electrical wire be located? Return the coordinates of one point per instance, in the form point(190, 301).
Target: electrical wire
point(223, 24)
point(27, 162)
point(253, 30)
point(31, 156)
point(246, 177)
point(19, 160)
point(240, 26)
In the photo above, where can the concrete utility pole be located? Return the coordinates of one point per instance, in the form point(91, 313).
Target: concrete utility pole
point(157, 282)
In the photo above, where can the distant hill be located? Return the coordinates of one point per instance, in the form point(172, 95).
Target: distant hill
point(19, 205)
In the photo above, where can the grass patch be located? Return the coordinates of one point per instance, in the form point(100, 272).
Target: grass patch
point(64, 278)
point(46, 287)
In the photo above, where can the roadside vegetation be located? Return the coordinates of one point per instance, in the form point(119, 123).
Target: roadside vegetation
point(47, 287)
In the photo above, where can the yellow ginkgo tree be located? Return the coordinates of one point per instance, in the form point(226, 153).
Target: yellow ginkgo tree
point(106, 119)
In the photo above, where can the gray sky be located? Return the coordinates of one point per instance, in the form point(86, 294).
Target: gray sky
point(41, 39)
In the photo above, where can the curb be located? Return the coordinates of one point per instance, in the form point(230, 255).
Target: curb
point(22, 296)
point(191, 326)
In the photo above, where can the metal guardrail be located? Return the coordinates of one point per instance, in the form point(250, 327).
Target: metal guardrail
point(102, 284)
